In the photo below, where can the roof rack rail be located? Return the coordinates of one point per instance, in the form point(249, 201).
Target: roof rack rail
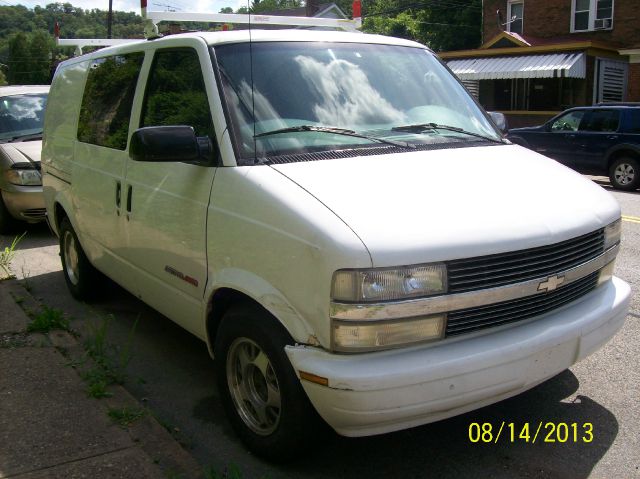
point(153, 18)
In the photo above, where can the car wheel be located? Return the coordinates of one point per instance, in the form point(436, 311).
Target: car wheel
point(80, 275)
point(260, 392)
point(624, 174)
point(7, 222)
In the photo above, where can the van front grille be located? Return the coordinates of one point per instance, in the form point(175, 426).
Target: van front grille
point(483, 272)
point(473, 319)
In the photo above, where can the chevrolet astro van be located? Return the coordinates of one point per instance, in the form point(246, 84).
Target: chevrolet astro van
point(336, 218)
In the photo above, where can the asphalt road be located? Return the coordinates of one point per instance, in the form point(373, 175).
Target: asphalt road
point(171, 372)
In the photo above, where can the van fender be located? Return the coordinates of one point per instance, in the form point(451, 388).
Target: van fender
point(262, 292)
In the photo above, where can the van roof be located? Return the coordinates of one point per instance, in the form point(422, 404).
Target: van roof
point(23, 89)
point(246, 35)
point(293, 35)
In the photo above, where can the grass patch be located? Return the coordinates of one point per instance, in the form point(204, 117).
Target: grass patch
point(126, 416)
point(230, 472)
point(48, 319)
point(109, 361)
point(7, 254)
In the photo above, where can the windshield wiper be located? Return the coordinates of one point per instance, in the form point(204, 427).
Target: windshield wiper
point(335, 131)
point(30, 136)
point(420, 127)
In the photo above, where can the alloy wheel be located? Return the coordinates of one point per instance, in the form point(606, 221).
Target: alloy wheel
point(254, 386)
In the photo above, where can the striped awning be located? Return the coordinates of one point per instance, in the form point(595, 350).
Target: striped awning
point(553, 65)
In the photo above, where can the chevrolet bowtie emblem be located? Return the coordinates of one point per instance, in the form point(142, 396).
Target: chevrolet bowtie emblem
point(551, 283)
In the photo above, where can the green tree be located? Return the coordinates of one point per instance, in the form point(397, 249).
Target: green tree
point(40, 54)
point(440, 25)
point(18, 61)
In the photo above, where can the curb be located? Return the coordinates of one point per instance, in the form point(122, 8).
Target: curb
point(146, 432)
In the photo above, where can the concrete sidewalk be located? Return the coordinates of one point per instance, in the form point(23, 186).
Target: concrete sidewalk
point(50, 428)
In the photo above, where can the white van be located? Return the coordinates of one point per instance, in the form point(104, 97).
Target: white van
point(336, 218)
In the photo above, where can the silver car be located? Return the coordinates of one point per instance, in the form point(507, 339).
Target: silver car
point(21, 119)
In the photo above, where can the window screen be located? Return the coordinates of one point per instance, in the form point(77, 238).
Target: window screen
point(107, 100)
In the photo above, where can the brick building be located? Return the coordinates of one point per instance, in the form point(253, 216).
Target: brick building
point(540, 57)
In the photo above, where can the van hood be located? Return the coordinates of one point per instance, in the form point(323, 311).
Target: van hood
point(25, 151)
point(418, 207)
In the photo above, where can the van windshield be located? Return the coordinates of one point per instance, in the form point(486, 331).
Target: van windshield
point(300, 97)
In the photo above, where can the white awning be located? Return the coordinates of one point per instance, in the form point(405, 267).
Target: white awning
point(553, 65)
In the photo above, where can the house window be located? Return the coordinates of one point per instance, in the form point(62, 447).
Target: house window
point(515, 12)
point(592, 15)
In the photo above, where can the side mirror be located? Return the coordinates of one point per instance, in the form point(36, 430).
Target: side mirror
point(500, 120)
point(170, 144)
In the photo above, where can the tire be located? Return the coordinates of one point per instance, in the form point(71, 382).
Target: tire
point(82, 279)
point(624, 174)
point(8, 223)
point(260, 392)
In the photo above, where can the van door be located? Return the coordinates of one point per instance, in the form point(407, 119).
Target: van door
point(165, 204)
point(100, 155)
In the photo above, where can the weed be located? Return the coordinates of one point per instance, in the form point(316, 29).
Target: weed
point(25, 279)
point(230, 472)
point(19, 300)
point(125, 416)
point(6, 255)
point(171, 474)
point(48, 319)
point(110, 363)
point(98, 390)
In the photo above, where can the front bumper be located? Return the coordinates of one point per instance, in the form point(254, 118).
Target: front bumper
point(25, 203)
point(375, 393)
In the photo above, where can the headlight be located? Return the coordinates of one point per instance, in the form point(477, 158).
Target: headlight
point(612, 233)
point(384, 284)
point(23, 177)
point(351, 336)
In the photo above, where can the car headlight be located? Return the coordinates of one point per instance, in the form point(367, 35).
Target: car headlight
point(612, 234)
point(23, 176)
point(386, 284)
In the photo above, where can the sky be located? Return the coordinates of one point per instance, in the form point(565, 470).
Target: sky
point(134, 5)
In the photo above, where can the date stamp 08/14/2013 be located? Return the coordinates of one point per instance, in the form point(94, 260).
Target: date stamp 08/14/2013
point(545, 432)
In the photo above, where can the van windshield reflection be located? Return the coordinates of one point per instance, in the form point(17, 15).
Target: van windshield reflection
point(367, 89)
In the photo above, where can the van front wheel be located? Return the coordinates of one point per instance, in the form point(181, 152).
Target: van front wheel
point(81, 277)
point(260, 391)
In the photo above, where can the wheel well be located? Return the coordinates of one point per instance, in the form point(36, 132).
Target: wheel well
point(621, 153)
point(59, 214)
point(221, 301)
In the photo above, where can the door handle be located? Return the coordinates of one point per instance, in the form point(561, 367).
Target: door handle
point(129, 191)
point(612, 137)
point(571, 137)
point(118, 196)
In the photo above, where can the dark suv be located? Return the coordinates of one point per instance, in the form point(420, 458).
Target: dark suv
point(596, 140)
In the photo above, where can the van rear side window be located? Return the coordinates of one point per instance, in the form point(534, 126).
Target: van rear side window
point(107, 100)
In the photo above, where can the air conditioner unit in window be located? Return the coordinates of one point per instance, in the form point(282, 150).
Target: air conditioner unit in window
point(602, 23)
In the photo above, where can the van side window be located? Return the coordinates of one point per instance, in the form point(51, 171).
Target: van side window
point(176, 93)
point(107, 100)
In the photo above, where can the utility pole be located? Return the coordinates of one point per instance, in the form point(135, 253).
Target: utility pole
point(110, 19)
